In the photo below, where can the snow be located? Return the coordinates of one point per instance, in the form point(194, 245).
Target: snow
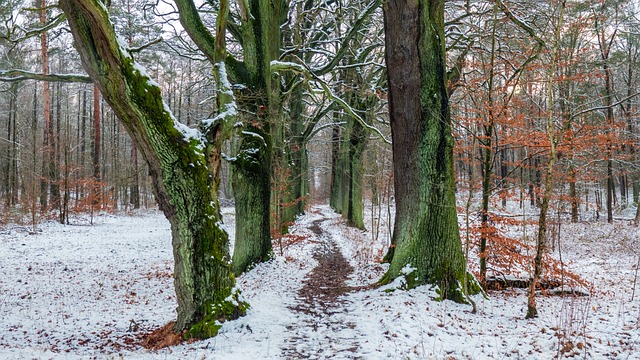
point(287, 65)
point(225, 85)
point(123, 46)
point(84, 291)
point(187, 132)
point(255, 135)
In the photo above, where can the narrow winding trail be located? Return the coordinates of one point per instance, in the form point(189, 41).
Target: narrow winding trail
point(319, 329)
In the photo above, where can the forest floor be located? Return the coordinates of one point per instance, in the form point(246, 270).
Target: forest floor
point(92, 291)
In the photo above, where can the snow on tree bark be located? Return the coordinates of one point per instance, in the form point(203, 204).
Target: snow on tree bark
point(202, 275)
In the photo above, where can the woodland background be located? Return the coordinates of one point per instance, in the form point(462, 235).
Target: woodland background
point(64, 153)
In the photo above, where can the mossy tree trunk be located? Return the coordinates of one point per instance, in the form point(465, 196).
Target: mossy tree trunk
point(289, 159)
point(259, 33)
point(347, 184)
point(356, 136)
point(251, 180)
point(335, 200)
point(179, 168)
point(261, 38)
point(428, 249)
point(355, 207)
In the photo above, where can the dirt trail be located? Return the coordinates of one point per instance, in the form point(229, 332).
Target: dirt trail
point(320, 306)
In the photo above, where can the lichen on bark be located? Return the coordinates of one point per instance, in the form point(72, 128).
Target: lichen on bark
point(177, 164)
point(426, 235)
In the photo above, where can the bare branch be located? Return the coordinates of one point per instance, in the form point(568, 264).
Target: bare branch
point(144, 46)
point(20, 75)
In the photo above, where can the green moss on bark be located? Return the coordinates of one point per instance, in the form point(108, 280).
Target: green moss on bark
point(426, 233)
point(202, 273)
point(251, 181)
point(230, 308)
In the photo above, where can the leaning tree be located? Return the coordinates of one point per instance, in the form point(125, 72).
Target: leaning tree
point(184, 164)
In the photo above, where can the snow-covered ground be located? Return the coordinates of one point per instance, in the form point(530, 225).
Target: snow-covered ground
point(80, 292)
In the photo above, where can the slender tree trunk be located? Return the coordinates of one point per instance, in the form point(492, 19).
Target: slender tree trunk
point(488, 156)
point(48, 146)
point(573, 195)
point(95, 151)
point(605, 47)
point(83, 141)
point(336, 181)
point(34, 158)
point(11, 180)
point(54, 174)
point(134, 188)
point(538, 264)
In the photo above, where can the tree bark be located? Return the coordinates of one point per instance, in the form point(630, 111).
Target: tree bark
point(202, 274)
point(95, 150)
point(47, 142)
point(428, 249)
point(336, 175)
point(541, 240)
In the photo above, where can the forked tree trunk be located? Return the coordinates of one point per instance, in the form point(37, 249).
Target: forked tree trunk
point(427, 240)
point(178, 166)
point(260, 31)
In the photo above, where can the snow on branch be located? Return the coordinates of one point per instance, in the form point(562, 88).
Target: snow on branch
point(29, 33)
point(228, 109)
point(352, 112)
point(344, 47)
point(20, 75)
point(302, 69)
point(144, 46)
point(521, 23)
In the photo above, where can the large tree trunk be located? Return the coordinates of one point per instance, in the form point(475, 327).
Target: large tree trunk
point(252, 169)
point(427, 240)
point(251, 178)
point(178, 166)
point(355, 209)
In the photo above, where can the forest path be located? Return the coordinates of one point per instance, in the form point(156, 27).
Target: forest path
point(321, 328)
